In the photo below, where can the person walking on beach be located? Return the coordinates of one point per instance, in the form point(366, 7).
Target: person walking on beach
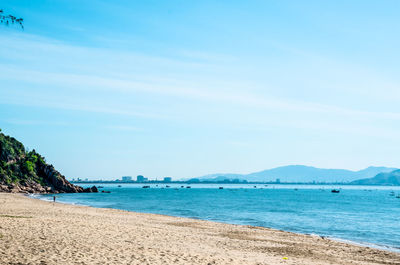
point(54, 198)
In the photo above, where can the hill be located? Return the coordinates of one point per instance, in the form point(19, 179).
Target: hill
point(300, 173)
point(391, 178)
point(22, 171)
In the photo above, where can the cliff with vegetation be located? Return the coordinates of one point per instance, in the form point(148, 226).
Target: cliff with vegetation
point(28, 172)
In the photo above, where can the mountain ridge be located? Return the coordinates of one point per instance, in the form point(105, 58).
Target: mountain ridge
point(390, 178)
point(302, 173)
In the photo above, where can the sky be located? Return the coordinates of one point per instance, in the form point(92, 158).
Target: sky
point(105, 89)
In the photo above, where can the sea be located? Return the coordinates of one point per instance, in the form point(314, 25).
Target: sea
point(365, 215)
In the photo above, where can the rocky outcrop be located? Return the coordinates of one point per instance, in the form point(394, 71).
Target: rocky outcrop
point(57, 182)
point(37, 188)
point(91, 189)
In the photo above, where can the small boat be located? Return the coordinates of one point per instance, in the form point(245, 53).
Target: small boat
point(398, 196)
point(221, 188)
point(119, 186)
point(188, 187)
point(146, 187)
point(100, 187)
point(335, 191)
point(182, 186)
point(167, 186)
point(105, 191)
point(255, 187)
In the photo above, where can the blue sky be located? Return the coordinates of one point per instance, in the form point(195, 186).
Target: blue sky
point(187, 88)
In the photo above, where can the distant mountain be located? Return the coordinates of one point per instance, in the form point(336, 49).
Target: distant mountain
point(391, 178)
point(300, 173)
point(221, 177)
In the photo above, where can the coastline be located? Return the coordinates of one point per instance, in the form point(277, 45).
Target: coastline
point(37, 231)
point(337, 239)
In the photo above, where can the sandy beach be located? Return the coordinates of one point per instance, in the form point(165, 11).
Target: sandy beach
point(39, 232)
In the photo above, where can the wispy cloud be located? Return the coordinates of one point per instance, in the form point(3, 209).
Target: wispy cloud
point(124, 128)
point(183, 90)
point(99, 69)
point(35, 122)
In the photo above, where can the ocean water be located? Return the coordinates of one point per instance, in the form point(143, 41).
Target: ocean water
point(363, 214)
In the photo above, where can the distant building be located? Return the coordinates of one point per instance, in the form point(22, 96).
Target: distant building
point(126, 178)
point(167, 179)
point(140, 178)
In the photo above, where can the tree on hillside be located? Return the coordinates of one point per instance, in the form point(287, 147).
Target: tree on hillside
point(10, 19)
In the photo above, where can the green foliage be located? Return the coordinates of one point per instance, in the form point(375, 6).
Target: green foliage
point(17, 165)
point(29, 166)
point(10, 148)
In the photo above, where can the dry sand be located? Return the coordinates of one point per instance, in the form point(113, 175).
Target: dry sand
point(39, 232)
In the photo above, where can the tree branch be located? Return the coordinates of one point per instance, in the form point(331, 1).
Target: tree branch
point(10, 19)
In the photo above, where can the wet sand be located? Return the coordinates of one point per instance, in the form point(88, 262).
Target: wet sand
point(40, 232)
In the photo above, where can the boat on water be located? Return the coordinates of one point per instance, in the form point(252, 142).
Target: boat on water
point(398, 196)
point(119, 186)
point(100, 187)
point(188, 187)
point(335, 191)
point(221, 188)
point(146, 187)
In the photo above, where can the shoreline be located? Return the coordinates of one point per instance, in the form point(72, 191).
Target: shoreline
point(347, 241)
point(91, 235)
